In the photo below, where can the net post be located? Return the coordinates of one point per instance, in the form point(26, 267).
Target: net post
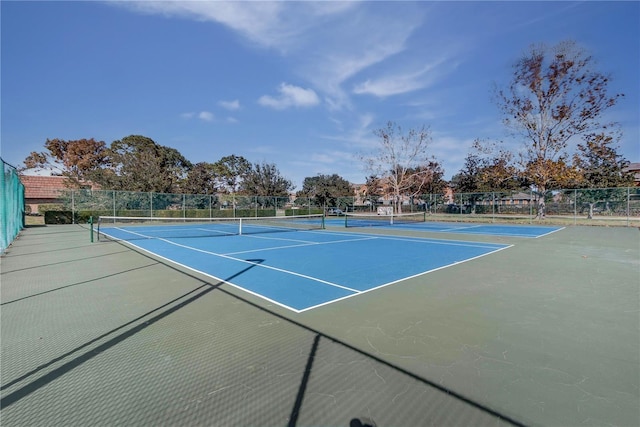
point(345, 220)
point(91, 227)
point(240, 227)
point(322, 220)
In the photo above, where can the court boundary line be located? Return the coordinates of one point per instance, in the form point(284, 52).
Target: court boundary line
point(551, 232)
point(451, 230)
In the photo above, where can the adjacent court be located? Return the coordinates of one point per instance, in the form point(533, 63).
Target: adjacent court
point(298, 269)
point(417, 222)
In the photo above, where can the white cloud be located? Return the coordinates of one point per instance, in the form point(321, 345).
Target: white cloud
point(269, 24)
point(406, 81)
point(205, 116)
point(290, 96)
point(230, 105)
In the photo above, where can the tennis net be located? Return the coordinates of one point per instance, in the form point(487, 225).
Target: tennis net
point(133, 228)
point(372, 220)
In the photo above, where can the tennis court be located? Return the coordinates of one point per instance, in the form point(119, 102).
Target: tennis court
point(296, 268)
point(417, 222)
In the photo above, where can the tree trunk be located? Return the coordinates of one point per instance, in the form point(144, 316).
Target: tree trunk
point(542, 207)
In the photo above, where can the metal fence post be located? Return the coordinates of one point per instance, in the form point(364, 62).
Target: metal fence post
point(575, 207)
point(628, 206)
point(493, 206)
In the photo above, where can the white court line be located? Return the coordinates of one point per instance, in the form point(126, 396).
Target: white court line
point(298, 246)
point(551, 232)
point(446, 230)
point(151, 236)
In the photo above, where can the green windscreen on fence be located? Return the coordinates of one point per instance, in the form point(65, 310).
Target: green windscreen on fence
point(11, 205)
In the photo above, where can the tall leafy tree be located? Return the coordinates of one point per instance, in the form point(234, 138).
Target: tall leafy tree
point(373, 189)
point(140, 164)
point(231, 171)
point(326, 190)
point(556, 96)
point(487, 169)
point(601, 169)
point(202, 178)
point(79, 160)
point(400, 159)
point(468, 180)
point(264, 179)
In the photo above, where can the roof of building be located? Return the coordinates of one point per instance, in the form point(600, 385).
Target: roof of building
point(634, 166)
point(43, 187)
point(46, 187)
point(635, 169)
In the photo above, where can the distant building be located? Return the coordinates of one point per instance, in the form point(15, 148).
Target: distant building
point(635, 169)
point(40, 190)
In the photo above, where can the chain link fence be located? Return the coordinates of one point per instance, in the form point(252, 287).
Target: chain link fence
point(82, 204)
point(610, 206)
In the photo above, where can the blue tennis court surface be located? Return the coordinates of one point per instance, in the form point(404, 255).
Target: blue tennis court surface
point(530, 231)
point(301, 270)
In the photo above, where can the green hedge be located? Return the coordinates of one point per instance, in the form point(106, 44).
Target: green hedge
point(58, 217)
point(46, 207)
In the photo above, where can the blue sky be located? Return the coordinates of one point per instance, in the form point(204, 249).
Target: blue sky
point(299, 84)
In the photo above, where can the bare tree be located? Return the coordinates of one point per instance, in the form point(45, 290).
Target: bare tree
point(555, 98)
point(401, 160)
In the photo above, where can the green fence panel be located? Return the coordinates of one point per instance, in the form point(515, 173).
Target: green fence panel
point(11, 205)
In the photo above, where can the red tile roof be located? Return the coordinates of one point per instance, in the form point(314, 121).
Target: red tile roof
point(43, 187)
